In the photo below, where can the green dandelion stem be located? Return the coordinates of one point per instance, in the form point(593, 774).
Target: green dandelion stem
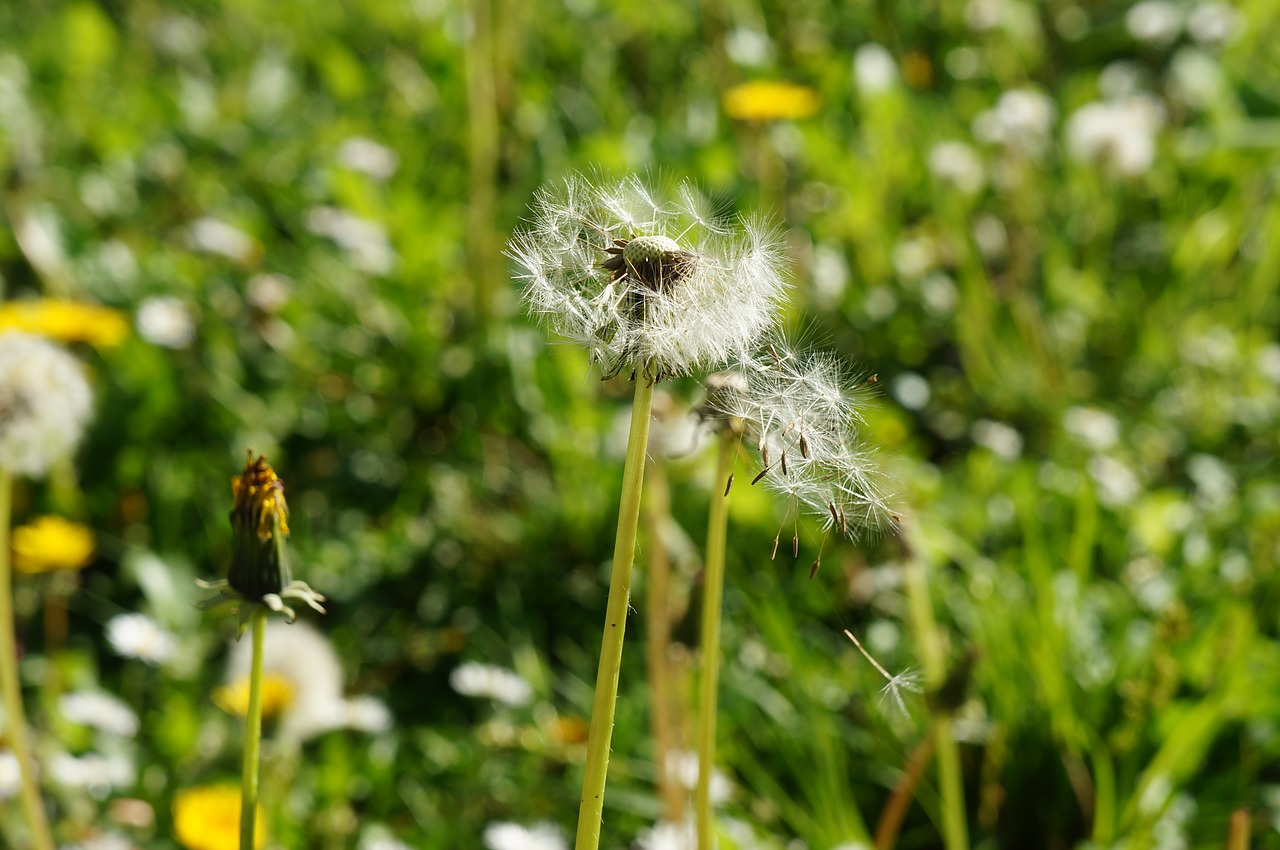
point(591, 809)
point(17, 721)
point(712, 597)
point(252, 735)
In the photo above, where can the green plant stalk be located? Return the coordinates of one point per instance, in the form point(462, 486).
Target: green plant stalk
point(252, 736)
point(712, 597)
point(955, 831)
point(17, 721)
point(591, 808)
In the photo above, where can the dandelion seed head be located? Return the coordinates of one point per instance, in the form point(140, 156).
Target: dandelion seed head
point(655, 282)
point(45, 403)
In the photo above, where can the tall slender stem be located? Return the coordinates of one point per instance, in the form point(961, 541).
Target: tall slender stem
point(712, 596)
point(657, 509)
point(591, 808)
point(17, 721)
point(955, 830)
point(252, 736)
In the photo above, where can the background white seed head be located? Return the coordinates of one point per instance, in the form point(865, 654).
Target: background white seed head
point(45, 403)
point(709, 294)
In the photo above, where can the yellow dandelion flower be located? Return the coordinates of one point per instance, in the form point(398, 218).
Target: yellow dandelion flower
point(762, 101)
point(51, 543)
point(208, 818)
point(66, 321)
point(277, 695)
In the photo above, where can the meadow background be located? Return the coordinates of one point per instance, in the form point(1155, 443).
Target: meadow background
point(1050, 230)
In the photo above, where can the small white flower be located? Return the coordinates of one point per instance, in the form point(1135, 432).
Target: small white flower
point(366, 714)
point(217, 237)
point(472, 679)
point(166, 321)
point(367, 156)
point(10, 775)
point(1213, 24)
point(1121, 134)
point(269, 292)
point(874, 70)
point(513, 836)
point(365, 241)
point(45, 403)
point(1117, 482)
point(1154, 22)
point(100, 711)
point(1002, 439)
point(1020, 120)
point(748, 47)
point(958, 164)
point(656, 285)
point(1096, 428)
point(683, 765)
point(96, 773)
point(669, 836)
point(139, 636)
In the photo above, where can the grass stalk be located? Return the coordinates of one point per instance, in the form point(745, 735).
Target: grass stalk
point(252, 736)
point(591, 808)
point(12, 686)
point(712, 598)
point(955, 830)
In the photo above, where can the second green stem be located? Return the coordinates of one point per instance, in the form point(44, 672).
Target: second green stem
point(712, 597)
point(252, 736)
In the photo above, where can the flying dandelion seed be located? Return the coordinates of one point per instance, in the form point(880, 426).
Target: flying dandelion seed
point(908, 680)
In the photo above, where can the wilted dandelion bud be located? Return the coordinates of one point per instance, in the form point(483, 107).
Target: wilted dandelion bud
point(658, 286)
point(259, 571)
point(259, 522)
point(45, 403)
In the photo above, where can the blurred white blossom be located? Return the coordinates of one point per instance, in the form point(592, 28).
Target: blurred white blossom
point(1117, 482)
point(139, 636)
point(1154, 22)
point(665, 835)
point(1120, 134)
point(956, 163)
point(96, 773)
point(217, 237)
point(748, 47)
point(683, 765)
point(10, 775)
point(101, 841)
point(99, 710)
point(45, 403)
point(513, 836)
point(365, 241)
point(1020, 120)
point(1096, 428)
point(874, 69)
point(1000, 438)
point(1212, 24)
point(473, 679)
point(165, 321)
point(367, 156)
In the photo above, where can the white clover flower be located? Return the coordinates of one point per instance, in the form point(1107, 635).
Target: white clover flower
point(472, 679)
point(513, 836)
point(139, 636)
point(306, 661)
point(217, 237)
point(1154, 22)
point(655, 285)
point(1020, 120)
point(100, 711)
point(958, 164)
point(165, 321)
point(805, 418)
point(1120, 133)
point(874, 69)
point(669, 836)
point(45, 403)
point(368, 157)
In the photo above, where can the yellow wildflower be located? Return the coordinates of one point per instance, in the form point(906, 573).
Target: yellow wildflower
point(51, 543)
point(762, 101)
point(277, 695)
point(208, 818)
point(66, 321)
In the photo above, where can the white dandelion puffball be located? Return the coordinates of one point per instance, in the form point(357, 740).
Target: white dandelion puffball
point(139, 636)
point(805, 418)
point(165, 321)
point(1020, 120)
point(45, 403)
point(650, 283)
point(1120, 134)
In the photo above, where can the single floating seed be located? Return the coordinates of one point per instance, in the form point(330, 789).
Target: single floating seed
point(760, 475)
point(729, 485)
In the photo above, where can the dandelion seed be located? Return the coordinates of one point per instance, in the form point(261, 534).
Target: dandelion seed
point(655, 285)
point(908, 680)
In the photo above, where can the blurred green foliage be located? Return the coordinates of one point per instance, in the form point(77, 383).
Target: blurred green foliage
point(1081, 365)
